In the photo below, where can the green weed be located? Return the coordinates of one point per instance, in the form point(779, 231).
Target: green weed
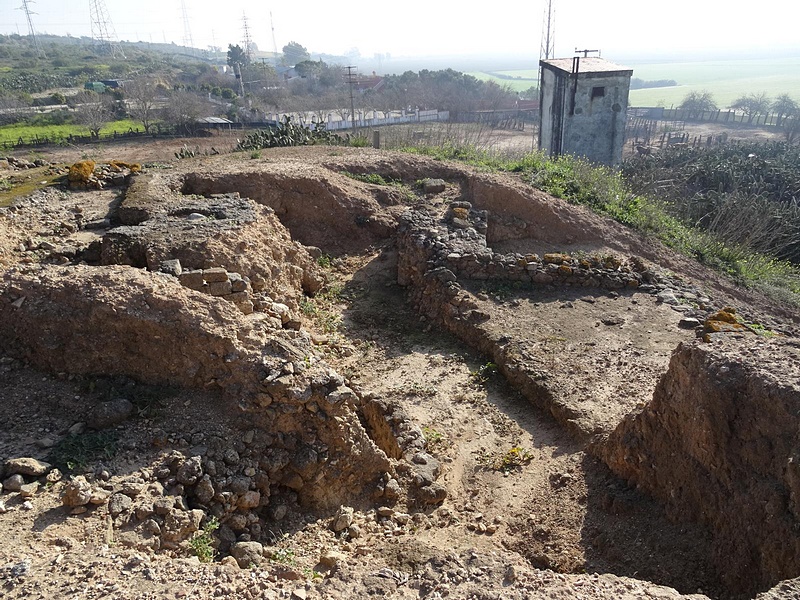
point(483, 374)
point(505, 462)
point(202, 544)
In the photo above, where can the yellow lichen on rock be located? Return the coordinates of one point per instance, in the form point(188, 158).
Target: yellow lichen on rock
point(724, 321)
point(80, 172)
point(557, 258)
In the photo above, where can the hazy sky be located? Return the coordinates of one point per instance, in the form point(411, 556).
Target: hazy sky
point(624, 28)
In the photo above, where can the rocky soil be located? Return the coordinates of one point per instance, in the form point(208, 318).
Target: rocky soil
point(227, 377)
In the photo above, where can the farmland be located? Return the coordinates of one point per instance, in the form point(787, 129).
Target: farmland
point(725, 79)
point(11, 133)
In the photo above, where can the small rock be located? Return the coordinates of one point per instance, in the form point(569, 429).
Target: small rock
point(29, 489)
point(688, 323)
point(204, 490)
point(99, 496)
point(330, 558)
point(353, 532)
point(78, 492)
point(27, 505)
point(392, 490)
point(45, 442)
point(229, 561)
point(190, 471)
point(433, 186)
point(77, 429)
point(26, 466)
point(434, 493)
point(118, 504)
point(247, 553)
point(343, 519)
point(13, 483)
point(299, 594)
point(3, 508)
point(171, 267)
point(54, 476)
point(250, 499)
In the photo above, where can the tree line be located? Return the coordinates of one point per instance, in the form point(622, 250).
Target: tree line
point(785, 108)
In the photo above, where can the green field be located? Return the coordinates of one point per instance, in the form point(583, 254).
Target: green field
point(725, 79)
point(12, 133)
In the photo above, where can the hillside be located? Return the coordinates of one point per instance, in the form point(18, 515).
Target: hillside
point(437, 383)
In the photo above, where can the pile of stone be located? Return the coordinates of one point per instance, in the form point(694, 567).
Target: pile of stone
point(18, 164)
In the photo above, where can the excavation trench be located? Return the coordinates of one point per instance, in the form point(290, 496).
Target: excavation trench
point(202, 282)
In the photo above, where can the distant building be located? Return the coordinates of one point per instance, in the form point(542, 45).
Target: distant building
point(583, 108)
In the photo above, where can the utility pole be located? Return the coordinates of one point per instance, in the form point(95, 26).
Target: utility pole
point(31, 30)
point(351, 79)
point(274, 43)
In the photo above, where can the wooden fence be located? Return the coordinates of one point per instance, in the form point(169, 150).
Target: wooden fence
point(710, 116)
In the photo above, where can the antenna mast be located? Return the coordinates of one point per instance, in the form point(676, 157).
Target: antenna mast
point(248, 41)
point(103, 29)
point(31, 30)
point(187, 30)
point(547, 50)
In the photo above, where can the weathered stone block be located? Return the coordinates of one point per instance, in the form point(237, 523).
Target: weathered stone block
point(192, 279)
point(215, 275)
point(218, 288)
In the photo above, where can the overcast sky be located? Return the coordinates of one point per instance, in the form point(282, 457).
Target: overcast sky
point(620, 28)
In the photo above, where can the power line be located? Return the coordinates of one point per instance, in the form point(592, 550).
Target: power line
point(187, 30)
point(31, 30)
point(103, 32)
point(248, 40)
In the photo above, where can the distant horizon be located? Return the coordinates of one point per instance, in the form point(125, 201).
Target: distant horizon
point(624, 31)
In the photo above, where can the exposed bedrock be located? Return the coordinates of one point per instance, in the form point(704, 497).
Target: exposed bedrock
point(719, 444)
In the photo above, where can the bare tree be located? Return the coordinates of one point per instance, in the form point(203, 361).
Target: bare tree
point(698, 102)
point(184, 111)
point(142, 96)
point(752, 105)
point(92, 110)
point(784, 105)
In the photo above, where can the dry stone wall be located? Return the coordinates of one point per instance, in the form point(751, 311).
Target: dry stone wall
point(437, 254)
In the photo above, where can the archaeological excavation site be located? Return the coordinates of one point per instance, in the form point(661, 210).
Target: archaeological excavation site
point(334, 373)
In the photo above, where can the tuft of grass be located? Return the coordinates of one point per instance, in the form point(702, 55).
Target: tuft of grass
point(202, 544)
point(76, 452)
